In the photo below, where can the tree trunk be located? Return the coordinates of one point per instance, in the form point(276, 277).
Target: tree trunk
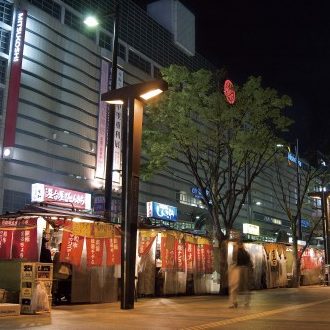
point(295, 266)
point(224, 267)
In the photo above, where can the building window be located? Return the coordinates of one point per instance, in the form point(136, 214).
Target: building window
point(184, 198)
point(139, 62)
point(105, 41)
point(1, 100)
point(4, 41)
point(6, 12)
point(3, 68)
point(157, 73)
point(122, 52)
point(77, 24)
point(49, 6)
point(14, 201)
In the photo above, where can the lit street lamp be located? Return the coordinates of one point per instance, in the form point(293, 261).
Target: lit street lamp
point(324, 197)
point(132, 97)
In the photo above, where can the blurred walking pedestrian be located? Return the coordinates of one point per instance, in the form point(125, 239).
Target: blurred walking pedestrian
point(239, 276)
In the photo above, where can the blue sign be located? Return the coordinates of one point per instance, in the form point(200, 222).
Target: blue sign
point(197, 193)
point(162, 211)
point(293, 159)
point(304, 223)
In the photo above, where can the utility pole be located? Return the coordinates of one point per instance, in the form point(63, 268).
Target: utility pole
point(299, 202)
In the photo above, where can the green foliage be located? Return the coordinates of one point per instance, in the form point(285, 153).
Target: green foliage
point(217, 142)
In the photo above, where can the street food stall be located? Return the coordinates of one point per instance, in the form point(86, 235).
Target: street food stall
point(84, 249)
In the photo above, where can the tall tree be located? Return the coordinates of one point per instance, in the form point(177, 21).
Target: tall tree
point(223, 146)
point(291, 193)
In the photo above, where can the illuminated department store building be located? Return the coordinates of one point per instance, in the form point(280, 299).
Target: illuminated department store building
point(51, 68)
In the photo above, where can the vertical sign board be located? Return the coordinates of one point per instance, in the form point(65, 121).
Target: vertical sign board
point(102, 123)
point(102, 128)
point(15, 79)
point(117, 135)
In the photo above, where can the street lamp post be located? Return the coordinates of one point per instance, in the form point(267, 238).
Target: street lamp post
point(132, 97)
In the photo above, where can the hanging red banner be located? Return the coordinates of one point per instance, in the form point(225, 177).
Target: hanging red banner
point(208, 259)
point(199, 262)
point(25, 240)
point(6, 238)
point(167, 251)
point(180, 255)
point(94, 251)
point(145, 243)
point(71, 249)
point(113, 247)
point(190, 256)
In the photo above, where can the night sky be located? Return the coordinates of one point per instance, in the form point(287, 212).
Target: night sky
point(285, 42)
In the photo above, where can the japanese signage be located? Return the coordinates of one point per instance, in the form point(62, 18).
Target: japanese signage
point(146, 239)
point(180, 255)
point(25, 241)
point(190, 256)
point(113, 247)
point(94, 251)
point(6, 237)
point(72, 246)
point(102, 128)
point(14, 81)
point(162, 211)
point(102, 123)
point(61, 196)
point(250, 229)
point(167, 252)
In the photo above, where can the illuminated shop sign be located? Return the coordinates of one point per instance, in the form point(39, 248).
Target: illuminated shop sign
point(162, 211)
point(60, 196)
point(14, 82)
point(251, 229)
point(196, 192)
point(293, 159)
point(20, 26)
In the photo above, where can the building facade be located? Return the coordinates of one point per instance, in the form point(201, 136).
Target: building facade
point(51, 71)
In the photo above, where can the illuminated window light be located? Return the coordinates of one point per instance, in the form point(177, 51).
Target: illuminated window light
point(258, 203)
point(151, 94)
point(115, 102)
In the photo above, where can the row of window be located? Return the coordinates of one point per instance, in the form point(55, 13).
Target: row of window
point(105, 40)
point(6, 12)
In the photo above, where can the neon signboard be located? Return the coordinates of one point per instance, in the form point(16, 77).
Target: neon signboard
point(60, 196)
point(229, 91)
point(162, 211)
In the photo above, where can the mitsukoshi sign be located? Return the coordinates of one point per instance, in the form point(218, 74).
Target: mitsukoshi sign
point(15, 80)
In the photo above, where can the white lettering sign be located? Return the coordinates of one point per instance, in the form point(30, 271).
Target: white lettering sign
point(18, 37)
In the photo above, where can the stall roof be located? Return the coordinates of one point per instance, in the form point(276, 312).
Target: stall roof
point(52, 211)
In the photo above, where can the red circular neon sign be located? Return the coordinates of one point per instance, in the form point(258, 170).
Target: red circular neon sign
point(229, 92)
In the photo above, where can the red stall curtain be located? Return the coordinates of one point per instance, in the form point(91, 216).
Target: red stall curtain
point(18, 239)
point(146, 239)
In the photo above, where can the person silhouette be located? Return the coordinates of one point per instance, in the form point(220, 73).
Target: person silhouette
point(239, 276)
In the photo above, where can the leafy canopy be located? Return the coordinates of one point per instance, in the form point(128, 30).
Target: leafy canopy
point(217, 142)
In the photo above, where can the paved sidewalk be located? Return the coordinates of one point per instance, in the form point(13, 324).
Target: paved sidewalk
point(303, 308)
